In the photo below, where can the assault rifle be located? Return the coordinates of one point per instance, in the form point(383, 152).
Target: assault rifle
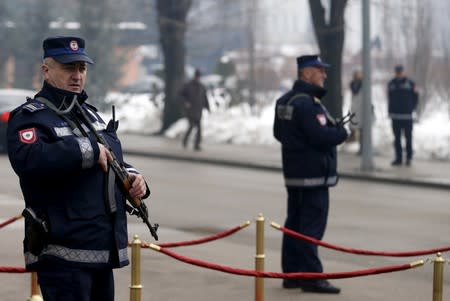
point(138, 206)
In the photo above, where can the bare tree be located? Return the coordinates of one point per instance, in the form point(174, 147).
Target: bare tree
point(97, 20)
point(27, 41)
point(408, 39)
point(330, 37)
point(172, 27)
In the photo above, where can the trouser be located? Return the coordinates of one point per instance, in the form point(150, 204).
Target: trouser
point(307, 213)
point(58, 283)
point(400, 126)
point(198, 136)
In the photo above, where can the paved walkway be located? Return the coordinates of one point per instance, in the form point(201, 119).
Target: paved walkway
point(425, 173)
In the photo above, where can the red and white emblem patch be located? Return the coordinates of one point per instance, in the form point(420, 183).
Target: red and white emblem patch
point(74, 45)
point(322, 119)
point(28, 135)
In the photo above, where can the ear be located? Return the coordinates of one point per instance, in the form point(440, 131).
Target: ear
point(44, 69)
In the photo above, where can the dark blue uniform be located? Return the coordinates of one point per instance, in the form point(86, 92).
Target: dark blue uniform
point(309, 136)
point(402, 102)
point(64, 185)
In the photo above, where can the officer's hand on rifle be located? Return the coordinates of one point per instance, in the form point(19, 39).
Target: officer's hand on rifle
point(138, 187)
point(104, 157)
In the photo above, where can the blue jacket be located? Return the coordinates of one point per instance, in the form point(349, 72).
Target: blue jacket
point(308, 135)
point(63, 183)
point(402, 98)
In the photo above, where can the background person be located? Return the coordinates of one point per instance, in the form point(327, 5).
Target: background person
point(402, 103)
point(79, 231)
point(194, 98)
point(309, 136)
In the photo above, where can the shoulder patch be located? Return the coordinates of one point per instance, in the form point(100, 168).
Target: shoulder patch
point(33, 107)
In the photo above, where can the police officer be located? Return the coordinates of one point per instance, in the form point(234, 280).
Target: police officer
point(402, 102)
point(76, 230)
point(309, 136)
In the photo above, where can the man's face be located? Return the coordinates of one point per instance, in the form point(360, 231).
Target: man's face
point(70, 77)
point(314, 75)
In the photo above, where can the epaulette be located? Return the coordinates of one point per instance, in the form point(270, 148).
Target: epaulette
point(34, 106)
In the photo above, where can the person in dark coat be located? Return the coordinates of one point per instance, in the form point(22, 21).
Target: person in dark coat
point(308, 135)
point(194, 98)
point(75, 219)
point(402, 103)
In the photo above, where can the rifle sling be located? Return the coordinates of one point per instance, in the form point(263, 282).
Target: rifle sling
point(78, 131)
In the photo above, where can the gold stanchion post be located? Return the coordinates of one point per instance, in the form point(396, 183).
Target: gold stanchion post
point(135, 287)
point(35, 292)
point(259, 258)
point(438, 275)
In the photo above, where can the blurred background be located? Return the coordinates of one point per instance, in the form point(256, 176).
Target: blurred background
point(145, 49)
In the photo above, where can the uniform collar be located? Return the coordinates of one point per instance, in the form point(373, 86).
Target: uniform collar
point(57, 96)
point(315, 91)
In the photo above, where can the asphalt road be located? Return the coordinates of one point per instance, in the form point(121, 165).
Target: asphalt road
point(194, 200)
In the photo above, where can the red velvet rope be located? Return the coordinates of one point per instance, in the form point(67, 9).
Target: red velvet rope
point(203, 240)
point(360, 251)
point(243, 272)
point(9, 221)
point(13, 270)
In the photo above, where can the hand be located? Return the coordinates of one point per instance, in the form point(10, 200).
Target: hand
point(104, 157)
point(138, 187)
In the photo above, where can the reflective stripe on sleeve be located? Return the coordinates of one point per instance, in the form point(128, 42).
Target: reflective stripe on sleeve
point(310, 182)
point(87, 152)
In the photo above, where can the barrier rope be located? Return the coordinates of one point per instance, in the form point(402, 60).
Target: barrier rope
point(357, 251)
point(205, 239)
point(9, 221)
point(13, 270)
point(253, 273)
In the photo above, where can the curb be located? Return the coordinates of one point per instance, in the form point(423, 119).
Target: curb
point(362, 176)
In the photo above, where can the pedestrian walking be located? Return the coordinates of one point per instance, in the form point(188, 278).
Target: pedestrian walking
point(75, 216)
point(194, 98)
point(308, 135)
point(402, 103)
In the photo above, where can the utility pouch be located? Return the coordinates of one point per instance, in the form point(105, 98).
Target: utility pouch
point(36, 232)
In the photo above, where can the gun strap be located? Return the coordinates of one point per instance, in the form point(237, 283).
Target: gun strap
point(77, 129)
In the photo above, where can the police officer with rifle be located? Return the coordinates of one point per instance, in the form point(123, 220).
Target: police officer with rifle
point(74, 182)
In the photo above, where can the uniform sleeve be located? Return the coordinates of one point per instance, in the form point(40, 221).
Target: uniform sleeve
point(390, 98)
point(415, 95)
point(35, 151)
point(131, 169)
point(318, 135)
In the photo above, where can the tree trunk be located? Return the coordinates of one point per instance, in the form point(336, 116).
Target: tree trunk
point(330, 37)
point(172, 27)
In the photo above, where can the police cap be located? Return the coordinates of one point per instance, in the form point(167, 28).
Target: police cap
point(398, 68)
point(310, 61)
point(66, 49)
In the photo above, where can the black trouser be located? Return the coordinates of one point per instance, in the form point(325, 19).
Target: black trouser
point(400, 126)
point(307, 213)
point(198, 137)
point(59, 282)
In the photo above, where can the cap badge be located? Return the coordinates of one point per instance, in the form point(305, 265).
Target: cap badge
point(74, 45)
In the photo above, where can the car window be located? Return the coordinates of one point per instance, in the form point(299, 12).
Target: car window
point(10, 99)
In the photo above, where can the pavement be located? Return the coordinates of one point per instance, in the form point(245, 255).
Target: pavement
point(424, 173)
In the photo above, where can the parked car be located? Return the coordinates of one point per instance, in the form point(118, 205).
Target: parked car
point(9, 100)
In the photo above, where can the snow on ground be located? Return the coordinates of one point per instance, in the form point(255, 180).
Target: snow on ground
point(141, 113)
